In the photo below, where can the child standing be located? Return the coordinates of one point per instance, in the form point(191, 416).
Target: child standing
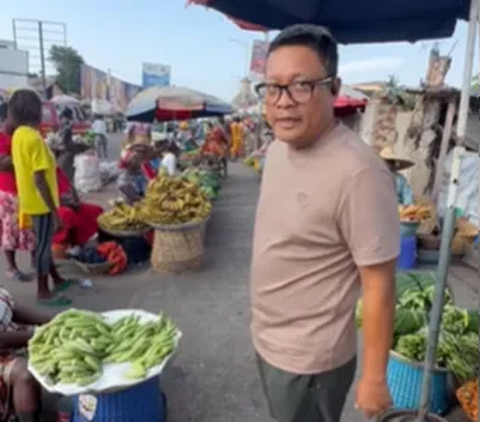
point(35, 174)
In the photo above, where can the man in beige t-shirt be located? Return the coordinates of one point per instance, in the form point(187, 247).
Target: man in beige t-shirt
point(326, 226)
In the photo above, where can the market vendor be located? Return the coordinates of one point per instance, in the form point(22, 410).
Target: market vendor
point(216, 145)
point(79, 219)
point(396, 164)
point(185, 138)
point(20, 393)
point(135, 172)
point(67, 148)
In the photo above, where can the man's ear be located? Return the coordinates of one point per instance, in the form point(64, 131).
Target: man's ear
point(336, 85)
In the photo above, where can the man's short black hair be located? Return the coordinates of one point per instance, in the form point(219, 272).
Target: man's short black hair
point(25, 108)
point(318, 38)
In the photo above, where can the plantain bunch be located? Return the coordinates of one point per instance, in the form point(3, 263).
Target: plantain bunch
point(173, 200)
point(122, 217)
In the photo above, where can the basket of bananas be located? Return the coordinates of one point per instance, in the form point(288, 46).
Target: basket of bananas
point(178, 211)
point(123, 221)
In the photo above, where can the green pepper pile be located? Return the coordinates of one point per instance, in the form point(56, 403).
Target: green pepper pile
point(75, 345)
point(458, 341)
point(208, 181)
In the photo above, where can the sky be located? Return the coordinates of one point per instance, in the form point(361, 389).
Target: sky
point(205, 50)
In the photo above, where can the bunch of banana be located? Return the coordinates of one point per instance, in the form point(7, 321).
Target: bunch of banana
point(174, 200)
point(122, 217)
point(75, 345)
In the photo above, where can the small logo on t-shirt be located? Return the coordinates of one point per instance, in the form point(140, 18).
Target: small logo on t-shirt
point(302, 199)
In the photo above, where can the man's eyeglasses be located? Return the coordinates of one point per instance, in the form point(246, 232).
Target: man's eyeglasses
point(300, 92)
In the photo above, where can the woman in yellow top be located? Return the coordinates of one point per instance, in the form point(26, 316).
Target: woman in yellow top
point(237, 131)
point(36, 178)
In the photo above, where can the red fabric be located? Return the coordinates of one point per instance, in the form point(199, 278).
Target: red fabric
point(64, 186)
point(216, 144)
point(149, 171)
point(115, 254)
point(7, 179)
point(78, 226)
point(345, 101)
point(163, 115)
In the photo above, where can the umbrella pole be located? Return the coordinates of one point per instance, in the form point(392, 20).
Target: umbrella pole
point(449, 219)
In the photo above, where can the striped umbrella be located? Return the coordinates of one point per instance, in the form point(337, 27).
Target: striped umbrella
point(174, 103)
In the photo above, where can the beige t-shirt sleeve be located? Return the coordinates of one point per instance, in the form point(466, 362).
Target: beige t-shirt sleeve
point(368, 217)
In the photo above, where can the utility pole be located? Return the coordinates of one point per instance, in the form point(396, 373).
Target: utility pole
point(42, 59)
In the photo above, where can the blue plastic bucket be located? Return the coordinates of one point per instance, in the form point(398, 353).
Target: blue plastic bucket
point(407, 259)
point(405, 384)
point(143, 402)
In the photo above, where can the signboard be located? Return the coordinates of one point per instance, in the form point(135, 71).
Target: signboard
point(13, 68)
point(259, 59)
point(100, 86)
point(155, 75)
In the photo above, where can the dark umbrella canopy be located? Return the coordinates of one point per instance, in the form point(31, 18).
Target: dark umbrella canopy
point(353, 21)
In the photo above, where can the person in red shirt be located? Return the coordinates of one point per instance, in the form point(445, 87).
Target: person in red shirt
point(12, 238)
point(79, 219)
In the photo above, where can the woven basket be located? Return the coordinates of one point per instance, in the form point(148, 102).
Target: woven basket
point(405, 384)
point(94, 269)
point(178, 248)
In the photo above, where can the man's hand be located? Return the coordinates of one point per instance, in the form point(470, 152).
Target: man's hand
point(373, 398)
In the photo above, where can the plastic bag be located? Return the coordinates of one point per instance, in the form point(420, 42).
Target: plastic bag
point(87, 173)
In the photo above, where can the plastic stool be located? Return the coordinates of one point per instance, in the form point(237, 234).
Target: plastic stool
point(143, 402)
point(408, 254)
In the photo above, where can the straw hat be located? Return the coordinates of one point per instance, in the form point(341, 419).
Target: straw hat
point(400, 163)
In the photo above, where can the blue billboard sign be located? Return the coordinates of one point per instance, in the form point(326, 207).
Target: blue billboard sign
point(155, 75)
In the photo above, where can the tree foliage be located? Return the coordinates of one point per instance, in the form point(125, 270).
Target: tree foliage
point(68, 63)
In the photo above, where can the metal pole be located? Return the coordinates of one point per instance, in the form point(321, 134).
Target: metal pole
point(42, 59)
point(468, 71)
point(449, 220)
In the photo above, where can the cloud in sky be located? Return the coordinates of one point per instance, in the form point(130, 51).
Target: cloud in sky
point(381, 64)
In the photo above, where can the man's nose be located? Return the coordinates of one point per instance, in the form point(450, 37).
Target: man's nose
point(285, 100)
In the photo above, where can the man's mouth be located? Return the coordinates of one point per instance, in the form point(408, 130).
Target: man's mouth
point(287, 122)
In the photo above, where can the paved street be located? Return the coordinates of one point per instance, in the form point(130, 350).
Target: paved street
point(213, 378)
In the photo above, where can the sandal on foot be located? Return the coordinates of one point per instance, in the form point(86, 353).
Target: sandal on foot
point(65, 285)
point(17, 275)
point(54, 301)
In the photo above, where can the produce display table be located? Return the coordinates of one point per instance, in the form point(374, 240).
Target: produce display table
point(143, 402)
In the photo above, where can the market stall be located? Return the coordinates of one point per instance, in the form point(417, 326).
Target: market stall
point(389, 21)
point(172, 215)
point(457, 356)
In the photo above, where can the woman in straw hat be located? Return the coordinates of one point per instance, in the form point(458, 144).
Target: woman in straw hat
point(396, 164)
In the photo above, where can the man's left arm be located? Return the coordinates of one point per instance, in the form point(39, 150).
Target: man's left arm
point(370, 226)
point(378, 286)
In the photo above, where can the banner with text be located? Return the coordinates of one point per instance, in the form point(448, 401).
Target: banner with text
point(258, 61)
point(99, 85)
point(155, 75)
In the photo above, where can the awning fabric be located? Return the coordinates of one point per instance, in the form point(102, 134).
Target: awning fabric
point(353, 21)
